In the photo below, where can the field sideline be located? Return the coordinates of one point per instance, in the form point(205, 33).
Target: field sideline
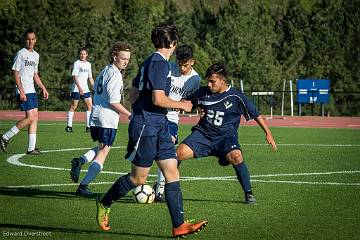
point(308, 189)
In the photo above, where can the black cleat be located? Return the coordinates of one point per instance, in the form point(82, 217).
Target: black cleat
point(249, 198)
point(68, 129)
point(87, 129)
point(35, 151)
point(160, 198)
point(3, 144)
point(75, 169)
point(84, 191)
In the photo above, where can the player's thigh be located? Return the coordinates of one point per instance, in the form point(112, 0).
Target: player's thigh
point(169, 167)
point(88, 102)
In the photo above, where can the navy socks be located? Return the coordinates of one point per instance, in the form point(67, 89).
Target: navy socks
point(243, 176)
point(173, 198)
point(119, 189)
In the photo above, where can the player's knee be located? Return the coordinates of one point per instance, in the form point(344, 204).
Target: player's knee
point(235, 157)
point(138, 180)
point(181, 152)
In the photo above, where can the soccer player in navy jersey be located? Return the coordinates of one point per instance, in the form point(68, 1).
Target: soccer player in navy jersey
point(216, 132)
point(149, 136)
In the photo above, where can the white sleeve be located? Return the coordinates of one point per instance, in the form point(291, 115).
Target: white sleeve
point(17, 62)
point(114, 87)
point(75, 71)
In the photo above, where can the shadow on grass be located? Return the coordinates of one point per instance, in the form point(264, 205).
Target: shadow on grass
point(38, 193)
point(76, 231)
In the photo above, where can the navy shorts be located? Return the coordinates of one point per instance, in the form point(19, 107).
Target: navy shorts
point(77, 96)
point(105, 136)
point(203, 146)
point(31, 102)
point(148, 144)
point(173, 128)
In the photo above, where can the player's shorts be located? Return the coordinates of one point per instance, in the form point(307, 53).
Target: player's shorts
point(203, 146)
point(148, 144)
point(173, 128)
point(105, 136)
point(30, 103)
point(77, 96)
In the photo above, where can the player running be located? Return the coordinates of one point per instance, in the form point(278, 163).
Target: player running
point(184, 82)
point(149, 136)
point(80, 90)
point(216, 132)
point(104, 116)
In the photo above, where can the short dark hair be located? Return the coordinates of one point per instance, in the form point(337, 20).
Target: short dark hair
point(29, 30)
point(216, 68)
point(117, 47)
point(164, 34)
point(184, 53)
point(83, 49)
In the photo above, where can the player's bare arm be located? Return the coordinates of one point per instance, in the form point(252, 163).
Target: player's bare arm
point(161, 100)
point(269, 138)
point(91, 80)
point(120, 109)
point(41, 85)
point(19, 85)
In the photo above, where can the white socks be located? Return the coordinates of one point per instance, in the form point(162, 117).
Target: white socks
point(90, 155)
point(160, 184)
point(32, 141)
point(88, 118)
point(70, 116)
point(12, 132)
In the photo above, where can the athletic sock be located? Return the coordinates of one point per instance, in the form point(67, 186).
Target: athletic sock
point(243, 176)
point(94, 170)
point(70, 116)
point(32, 141)
point(160, 184)
point(174, 202)
point(89, 155)
point(12, 132)
point(119, 189)
point(88, 118)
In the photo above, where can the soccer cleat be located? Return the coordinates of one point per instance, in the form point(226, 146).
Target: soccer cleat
point(3, 144)
point(160, 198)
point(87, 129)
point(68, 129)
point(188, 228)
point(84, 191)
point(35, 151)
point(75, 169)
point(249, 198)
point(102, 215)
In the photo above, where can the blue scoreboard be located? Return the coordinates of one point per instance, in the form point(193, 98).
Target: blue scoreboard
point(313, 90)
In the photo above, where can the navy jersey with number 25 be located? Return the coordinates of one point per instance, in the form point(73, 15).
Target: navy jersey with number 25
point(222, 111)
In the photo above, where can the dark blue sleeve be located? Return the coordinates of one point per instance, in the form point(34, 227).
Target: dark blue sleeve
point(158, 74)
point(247, 108)
point(194, 98)
point(136, 80)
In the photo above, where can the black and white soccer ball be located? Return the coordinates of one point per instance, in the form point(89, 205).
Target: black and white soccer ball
point(144, 194)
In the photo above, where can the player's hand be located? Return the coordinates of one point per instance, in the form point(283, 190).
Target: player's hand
point(81, 91)
point(270, 140)
point(45, 94)
point(187, 105)
point(23, 97)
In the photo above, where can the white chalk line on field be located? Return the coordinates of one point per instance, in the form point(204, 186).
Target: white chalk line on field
point(15, 160)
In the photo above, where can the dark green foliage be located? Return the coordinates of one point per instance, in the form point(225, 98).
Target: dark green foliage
point(261, 42)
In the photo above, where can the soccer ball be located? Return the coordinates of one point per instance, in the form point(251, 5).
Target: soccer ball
point(144, 194)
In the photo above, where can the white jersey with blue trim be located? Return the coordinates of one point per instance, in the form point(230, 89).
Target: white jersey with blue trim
point(26, 63)
point(181, 87)
point(81, 69)
point(108, 88)
point(222, 111)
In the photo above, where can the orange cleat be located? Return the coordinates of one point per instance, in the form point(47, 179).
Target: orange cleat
point(102, 215)
point(188, 228)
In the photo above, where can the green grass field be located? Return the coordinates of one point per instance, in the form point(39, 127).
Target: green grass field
point(308, 189)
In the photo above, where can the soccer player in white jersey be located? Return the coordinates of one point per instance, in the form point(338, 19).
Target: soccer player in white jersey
point(80, 90)
point(104, 118)
point(25, 71)
point(184, 82)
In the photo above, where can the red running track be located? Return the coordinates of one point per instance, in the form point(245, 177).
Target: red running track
point(287, 121)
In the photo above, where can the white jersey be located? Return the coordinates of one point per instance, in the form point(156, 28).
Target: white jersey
point(108, 88)
point(181, 87)
point(26, 63)
point(82, 70)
